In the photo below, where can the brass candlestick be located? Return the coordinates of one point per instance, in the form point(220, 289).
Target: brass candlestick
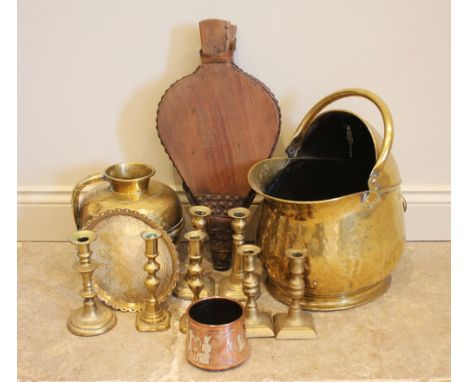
point(93, 318)
point(257, 323)
point(198, 215)
point(153, 318)
point(296, 324)
point(231, 286)
point(194, 276)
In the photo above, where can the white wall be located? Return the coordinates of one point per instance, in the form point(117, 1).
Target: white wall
point(91, 73)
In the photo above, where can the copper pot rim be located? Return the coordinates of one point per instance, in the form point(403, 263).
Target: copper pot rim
point(219, 326)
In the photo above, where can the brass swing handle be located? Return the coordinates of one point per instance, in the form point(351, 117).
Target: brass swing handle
point(75, 200)
point(387, 121)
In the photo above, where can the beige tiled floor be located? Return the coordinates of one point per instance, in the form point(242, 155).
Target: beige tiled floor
point(404, 335)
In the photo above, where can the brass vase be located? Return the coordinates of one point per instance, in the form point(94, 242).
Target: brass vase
point(129, 186)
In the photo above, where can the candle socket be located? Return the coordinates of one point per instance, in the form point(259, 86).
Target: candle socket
point(257, 323)
point(231, 286)
point(194, 276)
point(296, 324)
point(153, 318)
point(93, 318)
point(198, 214)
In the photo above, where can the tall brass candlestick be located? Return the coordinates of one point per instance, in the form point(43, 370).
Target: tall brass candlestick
point(296, 324)
point(198, 214)
point(231, 286)
point(93, 318)
point(153, 318)
point(194, 276)
point(257, 323)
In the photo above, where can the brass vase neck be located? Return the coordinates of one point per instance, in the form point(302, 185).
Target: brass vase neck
point(129, 187)
point(129, 178)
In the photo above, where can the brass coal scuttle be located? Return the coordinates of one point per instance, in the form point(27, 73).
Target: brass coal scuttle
point(337, 195)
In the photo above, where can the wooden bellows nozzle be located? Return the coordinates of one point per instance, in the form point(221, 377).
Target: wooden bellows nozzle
point(218, 40)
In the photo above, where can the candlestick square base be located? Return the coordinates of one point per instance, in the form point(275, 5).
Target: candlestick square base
point(262, 327)
point(158, 322)
point(298, 329)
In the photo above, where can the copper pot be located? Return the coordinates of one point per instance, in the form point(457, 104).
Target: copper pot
point(216, 335)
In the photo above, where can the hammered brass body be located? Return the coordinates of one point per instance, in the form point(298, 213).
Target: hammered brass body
point(354, 241)
point(128, 186)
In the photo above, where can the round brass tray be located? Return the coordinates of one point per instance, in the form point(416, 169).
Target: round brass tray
point(119, 253)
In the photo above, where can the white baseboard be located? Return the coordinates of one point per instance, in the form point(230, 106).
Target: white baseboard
point(44, 212)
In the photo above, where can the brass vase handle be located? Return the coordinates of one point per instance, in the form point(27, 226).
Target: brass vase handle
point(387, 121)
point(75, 201)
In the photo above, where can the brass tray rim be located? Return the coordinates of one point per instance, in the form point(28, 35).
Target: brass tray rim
point(115, 302)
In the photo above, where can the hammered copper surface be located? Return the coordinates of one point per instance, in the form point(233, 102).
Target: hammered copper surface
point(216, 346)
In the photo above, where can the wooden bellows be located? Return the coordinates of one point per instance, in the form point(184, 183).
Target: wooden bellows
point(215, 124)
